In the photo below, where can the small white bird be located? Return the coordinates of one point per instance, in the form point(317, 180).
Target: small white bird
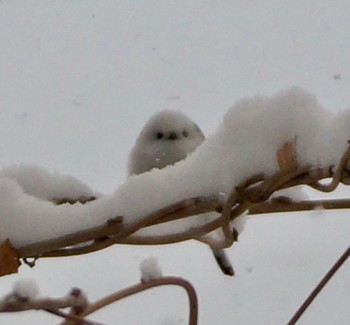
point(168, 137)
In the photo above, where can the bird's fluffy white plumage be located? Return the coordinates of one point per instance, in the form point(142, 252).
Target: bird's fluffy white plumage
point(169, 136)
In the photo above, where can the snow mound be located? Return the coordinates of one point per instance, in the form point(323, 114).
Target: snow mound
point(150, 269)
point(245, 144)
point(38, 182)
point(25, 289)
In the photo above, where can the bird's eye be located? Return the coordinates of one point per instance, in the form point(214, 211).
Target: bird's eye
point(185, 133)
point(159, 135)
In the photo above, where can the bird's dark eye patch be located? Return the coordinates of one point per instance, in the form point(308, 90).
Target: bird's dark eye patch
point(159, 135)
point(185, 133)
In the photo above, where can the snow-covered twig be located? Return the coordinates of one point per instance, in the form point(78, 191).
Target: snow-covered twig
point(265, 144)
point(252, 195)
point(186, 208)
point(338, 174)
point(111, 227)
point(191, 293)
point(23, 298)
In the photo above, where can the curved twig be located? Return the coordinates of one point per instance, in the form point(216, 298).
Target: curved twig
point(191, 293)
point(337, 174)
point(35, 250)
point(226, 217)
point(56, 247)
point(189, 234)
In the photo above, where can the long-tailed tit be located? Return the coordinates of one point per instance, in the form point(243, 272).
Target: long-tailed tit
point(168, 137)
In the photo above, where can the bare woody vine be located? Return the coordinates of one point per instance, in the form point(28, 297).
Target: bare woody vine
point(253, 196)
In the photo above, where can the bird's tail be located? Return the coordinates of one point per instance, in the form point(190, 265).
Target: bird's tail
point(223, 261)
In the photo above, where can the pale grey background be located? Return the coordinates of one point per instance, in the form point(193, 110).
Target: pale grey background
point(79, 79)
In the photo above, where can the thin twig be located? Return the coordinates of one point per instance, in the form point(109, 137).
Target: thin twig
point(277, 205)
point(337, 175)
point(34, 250)
point(75, 318)
point(320, 286)
point(277, 181)
point(179, 210)
point(191, 293)
point(226, 216)
point(140, 240)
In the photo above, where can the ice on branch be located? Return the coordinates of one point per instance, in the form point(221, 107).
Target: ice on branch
point(245, 144)
point(150, 269)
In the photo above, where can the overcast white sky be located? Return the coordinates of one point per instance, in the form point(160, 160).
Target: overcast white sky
point(80, 78)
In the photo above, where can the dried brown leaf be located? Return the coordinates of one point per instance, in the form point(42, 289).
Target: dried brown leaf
point(9, 258)
point(287, 157)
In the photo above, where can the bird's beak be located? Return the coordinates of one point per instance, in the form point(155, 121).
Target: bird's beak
point(172, 136)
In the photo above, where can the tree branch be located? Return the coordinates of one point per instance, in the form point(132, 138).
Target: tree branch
point(251, 195)
point(191, 293)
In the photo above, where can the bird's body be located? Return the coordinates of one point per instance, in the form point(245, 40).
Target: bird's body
point(168, 137)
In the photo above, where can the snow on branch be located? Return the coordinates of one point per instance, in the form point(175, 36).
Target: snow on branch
point(264, 145)
point(25, 296)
